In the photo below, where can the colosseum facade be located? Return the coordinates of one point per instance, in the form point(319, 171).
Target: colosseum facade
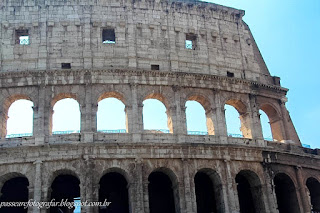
point(135, 50)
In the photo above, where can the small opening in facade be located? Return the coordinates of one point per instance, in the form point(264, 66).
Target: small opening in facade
point(225, 40)
point(22, 37)
point(155, 67)
point(230, 74)
point(191, 40)
point(108, 36)
point(65, 65)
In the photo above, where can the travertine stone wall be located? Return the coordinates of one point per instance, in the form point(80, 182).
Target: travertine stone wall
point(147, 32)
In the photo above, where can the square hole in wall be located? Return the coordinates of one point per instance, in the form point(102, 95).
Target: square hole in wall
point(191, 41)
point(108, 36)
point(230, 74)
point(65, 65)
point(155, 67)
point(22, 37)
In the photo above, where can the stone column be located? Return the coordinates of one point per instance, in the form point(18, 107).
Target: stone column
point(31, 209)
point(255, 115)
point(220, 125)
point(146, 196)
point(138, 196)
point(305, 207)
point(39, 130)
point(135, 122)
point(284, 116)
point(3, 123)
point(188, 192)
point(86, 186)
point(88, 111)
point(232, 193)
point(37, 184)
point(86, 28)
point(268, 191)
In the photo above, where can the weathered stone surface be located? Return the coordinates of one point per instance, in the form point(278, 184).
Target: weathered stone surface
point(224, 68)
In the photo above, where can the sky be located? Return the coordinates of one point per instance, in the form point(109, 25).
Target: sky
point(288, 35)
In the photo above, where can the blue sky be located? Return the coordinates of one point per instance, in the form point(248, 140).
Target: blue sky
point(288, 35)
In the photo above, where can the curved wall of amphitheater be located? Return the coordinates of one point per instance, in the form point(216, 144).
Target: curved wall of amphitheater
point(223, 66)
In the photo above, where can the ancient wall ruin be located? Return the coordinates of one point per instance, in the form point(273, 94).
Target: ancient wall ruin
point(133, 51)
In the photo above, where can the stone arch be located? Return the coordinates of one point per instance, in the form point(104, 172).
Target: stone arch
point(14, 188)
point(120, 97)
point(250, 195)
point(313, 187)
point(119, 170)
point(170, 181)
point(9, 176)
point(205, 103)
point(165, 102)
point(114, 186)
point(62, 172)
point(275, 120)
point(60, 97)
point(209, 192)
point(5, 109)
point(112, 94)
point(244, 116)
point(286, 194)
point(64, 184)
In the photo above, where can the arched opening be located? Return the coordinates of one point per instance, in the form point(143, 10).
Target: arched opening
point(249, 192)
point(237, 119)
point(208, 190)
point(155, 117)
point(199, 120)
point(265, 124)
point(286, 194)
point(113, 188)
point(314, 194)
point(275, 121)
point(66, 116)
point(65, 187)
point(111, 116)
point(20, 119)
point(161, 193)
point(15, 190)
point(232, 121)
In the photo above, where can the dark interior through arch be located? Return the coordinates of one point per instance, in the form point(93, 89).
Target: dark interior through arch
point(161, 197)
point(286, 194)
point(64, 187)
point(113, 187)
point(208, 194)
point(314, 190)
point(15, 190)
point(245, 195)
point(250, 192)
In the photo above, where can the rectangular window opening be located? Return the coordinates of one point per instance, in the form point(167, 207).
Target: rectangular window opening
point(155, 67)
point(66, 65)
point(230, 74)
point(22, 37)
point(191, 41)
point(108, 36)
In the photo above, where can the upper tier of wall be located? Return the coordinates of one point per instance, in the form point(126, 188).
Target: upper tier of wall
point(147, 33)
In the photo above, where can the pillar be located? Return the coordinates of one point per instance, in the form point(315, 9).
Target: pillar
point(37, 185)
point(189, 194)
point(255, 116)
point(135, 122)
point(139, 194)
point(232, 201)
point(305, 207)
point(218, 109)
